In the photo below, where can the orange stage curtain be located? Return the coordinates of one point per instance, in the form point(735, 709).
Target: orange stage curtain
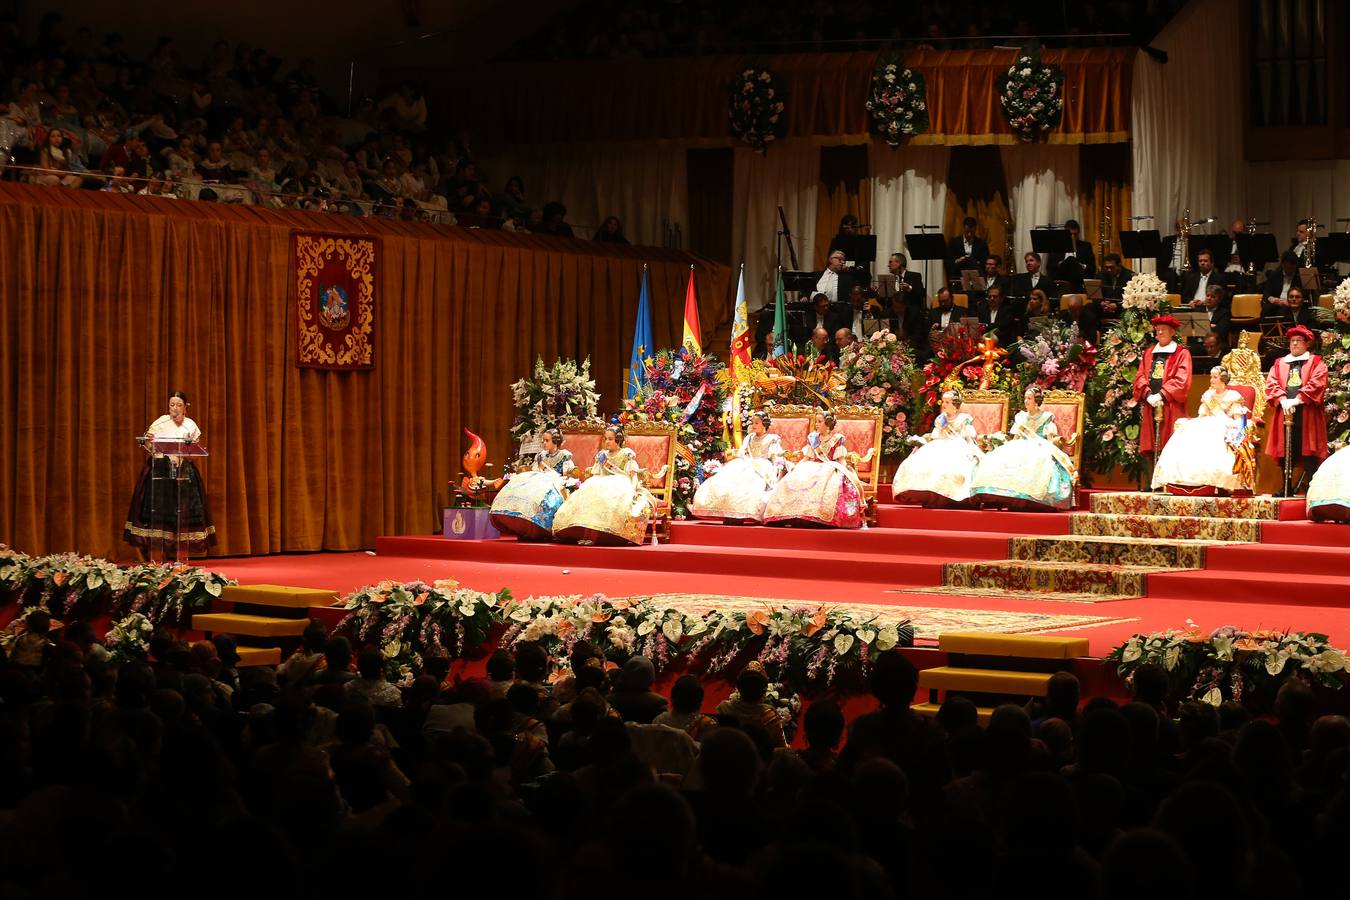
point(845, 189)
point(687, 99)
point(109, 302)
point(1104, 175)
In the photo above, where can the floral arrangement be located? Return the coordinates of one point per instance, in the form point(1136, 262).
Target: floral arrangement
point(1336, 354)
point(1056, 357)
point(564, 391)
point(1031, 95)
point(1112, 429)
point(409, 621)
point(1144, 291)
point(67, 585)
point(1231, 664)
point(756, 108)
point(897, 102)
point(956, 360)
point(684, 390)
point(880, 372)
point(1340, 301)
point(786, 704)
point(806, 644)
point(129, 639)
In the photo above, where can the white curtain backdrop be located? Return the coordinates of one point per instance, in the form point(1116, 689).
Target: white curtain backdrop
point(1042, 190)
point(909, 188)
point(1284, 192)
point(788, 176)
point(1186, 120)
point(644, 184)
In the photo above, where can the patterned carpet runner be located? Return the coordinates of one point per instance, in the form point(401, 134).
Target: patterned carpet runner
point(1113, 548)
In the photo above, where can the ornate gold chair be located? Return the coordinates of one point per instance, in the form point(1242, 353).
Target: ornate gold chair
point(655, 446)
point(583, 437)
point(861, 428)
point(1068, 409)
point(1244, 370)
point(988, 409)
point(792, 423)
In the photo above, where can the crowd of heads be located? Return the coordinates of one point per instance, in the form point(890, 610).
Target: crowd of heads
point(239, 126)
point(554, 786)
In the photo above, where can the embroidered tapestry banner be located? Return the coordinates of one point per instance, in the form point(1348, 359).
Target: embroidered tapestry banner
point(334, 284)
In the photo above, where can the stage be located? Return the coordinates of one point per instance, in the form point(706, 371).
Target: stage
point(1123, 563)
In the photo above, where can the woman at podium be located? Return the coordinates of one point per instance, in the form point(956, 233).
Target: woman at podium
point(170, 501)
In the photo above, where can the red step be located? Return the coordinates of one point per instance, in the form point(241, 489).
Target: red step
point(1284, 560)
point(921, 518)
point(955, 545)
point(1315, 534)
point(1288, 588)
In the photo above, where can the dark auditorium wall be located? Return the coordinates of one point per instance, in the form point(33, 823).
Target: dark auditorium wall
point(108, 302)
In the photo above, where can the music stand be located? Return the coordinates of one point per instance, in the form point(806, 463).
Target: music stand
point(1141, 245)
point(1332, 248)
point(926, 246)
point(166, 488)
point(859, 249)
point(886, 285)
point(1218, 246)
point(801, 282)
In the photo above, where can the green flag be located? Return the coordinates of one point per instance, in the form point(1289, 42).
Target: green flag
point(780, 332)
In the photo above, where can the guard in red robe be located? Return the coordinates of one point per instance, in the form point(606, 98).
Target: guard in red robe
point(1162, 384)
point(1297, 386)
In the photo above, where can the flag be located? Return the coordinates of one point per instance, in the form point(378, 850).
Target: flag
point(693, 339)
point(740, 330)
point(780, 332)
point(642, 340)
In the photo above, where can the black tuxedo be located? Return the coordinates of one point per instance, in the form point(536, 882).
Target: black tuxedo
point(1004, 322)
point(803, 321)
point(956, 250)
point(1273, 285)
point(1305, 317)
point(1021, 287)
point(1073, 269)
point(916, 293)
point(935, 317)
point(1220, 320)
point(1089, 322)
point(1190, 282)
point(1114, 288)
point(831, 351)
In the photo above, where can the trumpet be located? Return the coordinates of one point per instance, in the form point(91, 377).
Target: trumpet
point(1008, 249)
point(1251, 230)
point(1184, 239)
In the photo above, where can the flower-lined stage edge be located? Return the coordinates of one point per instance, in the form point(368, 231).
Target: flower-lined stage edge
point(1335, 351)
point(755, 111)
point(804, 644)
point(1231, 664)
point(897, 102)
point(67, 584)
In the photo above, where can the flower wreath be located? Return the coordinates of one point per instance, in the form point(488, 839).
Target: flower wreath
point(1031, 95)
point(897, 102)
point(756, 107)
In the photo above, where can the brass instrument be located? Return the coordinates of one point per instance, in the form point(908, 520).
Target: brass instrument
point(1184, 239)
point(1251, 231)
point(1311, 249)
point(1104, 235)
point(1008, 250)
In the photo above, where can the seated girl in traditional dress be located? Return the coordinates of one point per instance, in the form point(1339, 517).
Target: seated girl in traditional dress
point(1201, 451)
point(612, 506)
point(527, 504)
point(1329, 490)
point(821, 489)
point(1029, 471)
point(739, 490)
point(941, 471)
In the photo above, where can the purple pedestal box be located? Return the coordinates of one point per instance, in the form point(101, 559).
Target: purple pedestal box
point(469, 524)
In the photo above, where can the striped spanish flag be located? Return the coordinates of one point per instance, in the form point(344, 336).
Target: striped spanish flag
point(692, 340)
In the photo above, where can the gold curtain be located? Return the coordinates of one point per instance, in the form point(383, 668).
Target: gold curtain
point(110, 302)
point(1104, 176)
point(976, 187)
point(687, 99)
point(844, 190)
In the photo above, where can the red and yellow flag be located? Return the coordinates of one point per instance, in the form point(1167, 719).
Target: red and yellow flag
point(692, 339)
point(741, 340)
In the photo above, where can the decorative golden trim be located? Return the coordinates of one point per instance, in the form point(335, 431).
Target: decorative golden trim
point(1072, 444)
point(583, 426)
point(1244, 368)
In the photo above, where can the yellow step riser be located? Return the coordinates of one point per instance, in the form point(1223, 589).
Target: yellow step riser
point(986, 643)
point(253, 626)
point(259, 656)
point(985, 681)
point(929, 710)
point(278, 595)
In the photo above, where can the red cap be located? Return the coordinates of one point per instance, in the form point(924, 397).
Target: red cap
point(1299, 331)
point(1165, 320)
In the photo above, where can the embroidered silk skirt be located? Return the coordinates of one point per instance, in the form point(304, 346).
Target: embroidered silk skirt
point(527, 503)
point(939, 473)
point(1329, 491)
point(604, 510)
point(1024, 473)
point(164, 506)
point(815, 492)
point(738, 490)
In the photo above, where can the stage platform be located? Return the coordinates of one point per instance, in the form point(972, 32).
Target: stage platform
point(1125, 563)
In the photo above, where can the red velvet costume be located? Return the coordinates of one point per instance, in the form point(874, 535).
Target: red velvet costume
point(1176, 388)
point(1312, 414)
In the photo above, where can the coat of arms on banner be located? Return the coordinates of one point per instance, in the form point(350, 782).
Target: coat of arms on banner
point(334, 285)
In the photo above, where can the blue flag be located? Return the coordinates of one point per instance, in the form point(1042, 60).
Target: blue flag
point(642, 341)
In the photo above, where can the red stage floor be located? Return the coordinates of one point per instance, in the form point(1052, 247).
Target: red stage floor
point(1298, 577)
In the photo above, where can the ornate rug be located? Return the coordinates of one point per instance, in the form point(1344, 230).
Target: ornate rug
point(928, 622)
point(1058, 577)
point(1167, 527)
point(1138, 503)
point(997, 593)
point(1132, 551)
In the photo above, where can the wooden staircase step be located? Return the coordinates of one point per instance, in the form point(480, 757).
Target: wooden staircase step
point(258, 656)
point(930, 710)
point(278, 595)
point(985, 681)
point(253, 626)
point(1023, 646)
